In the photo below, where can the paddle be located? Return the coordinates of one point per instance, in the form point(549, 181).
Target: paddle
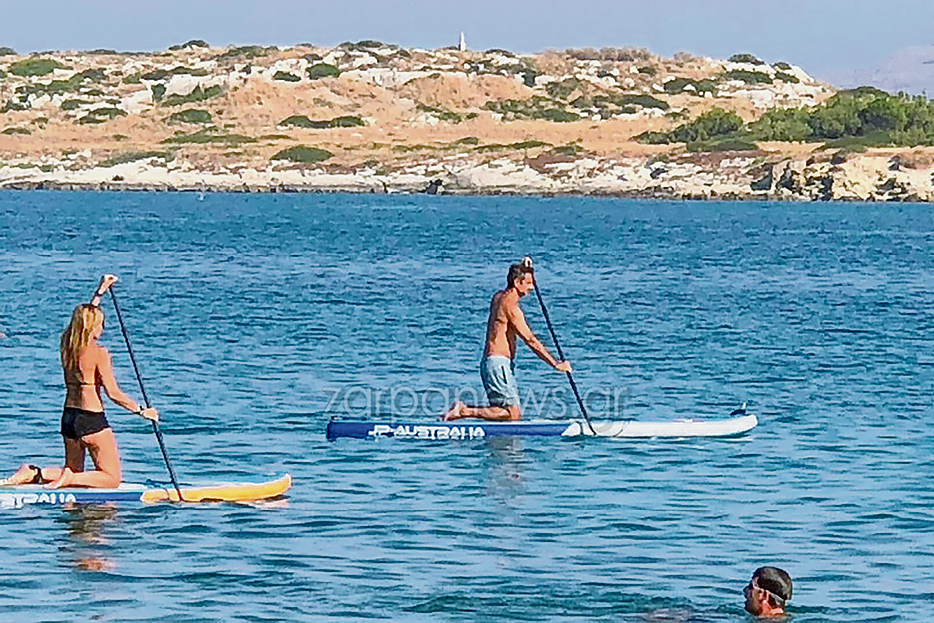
point(155, 424)
point(528, 262)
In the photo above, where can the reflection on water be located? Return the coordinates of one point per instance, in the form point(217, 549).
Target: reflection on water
point(86, 527)
point(503, 469)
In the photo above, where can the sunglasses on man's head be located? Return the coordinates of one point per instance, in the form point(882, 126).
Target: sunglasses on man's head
point(754, 585)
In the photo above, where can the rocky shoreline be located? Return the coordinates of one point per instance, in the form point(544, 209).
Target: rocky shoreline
point(865, 177)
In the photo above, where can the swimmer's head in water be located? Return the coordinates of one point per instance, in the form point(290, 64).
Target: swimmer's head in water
point(768, 591)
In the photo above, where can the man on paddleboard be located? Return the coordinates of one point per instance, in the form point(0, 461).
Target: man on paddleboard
point(767, 592)
point(497, 367)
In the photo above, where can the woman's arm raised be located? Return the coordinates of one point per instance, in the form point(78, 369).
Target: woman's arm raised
point(102, 287)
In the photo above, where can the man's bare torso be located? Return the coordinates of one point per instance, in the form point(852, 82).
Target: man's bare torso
point(500, 330)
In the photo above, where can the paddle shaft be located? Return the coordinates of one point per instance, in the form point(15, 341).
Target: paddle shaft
point(554, 338)
point(142, 388)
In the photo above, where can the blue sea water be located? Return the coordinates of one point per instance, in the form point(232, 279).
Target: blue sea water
point(255, 317)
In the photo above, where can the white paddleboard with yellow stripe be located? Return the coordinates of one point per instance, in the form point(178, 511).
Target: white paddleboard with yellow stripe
point(22, 495)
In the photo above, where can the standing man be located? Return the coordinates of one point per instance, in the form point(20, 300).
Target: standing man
point(767, 592)
point(497, 368)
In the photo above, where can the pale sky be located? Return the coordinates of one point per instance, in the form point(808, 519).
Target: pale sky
point(822, 36)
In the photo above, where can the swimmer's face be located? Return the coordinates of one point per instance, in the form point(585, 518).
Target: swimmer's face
point(754, 597)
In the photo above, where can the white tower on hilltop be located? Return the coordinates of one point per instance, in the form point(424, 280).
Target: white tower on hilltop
point(462, 46)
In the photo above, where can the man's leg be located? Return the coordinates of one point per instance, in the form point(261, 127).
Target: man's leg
point(506, 413)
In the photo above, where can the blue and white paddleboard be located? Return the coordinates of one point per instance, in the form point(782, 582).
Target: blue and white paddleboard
point(478, 429)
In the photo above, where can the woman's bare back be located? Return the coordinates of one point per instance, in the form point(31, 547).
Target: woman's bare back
point(83, 383)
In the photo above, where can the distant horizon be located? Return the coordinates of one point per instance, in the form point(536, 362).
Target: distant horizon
point(825, 38)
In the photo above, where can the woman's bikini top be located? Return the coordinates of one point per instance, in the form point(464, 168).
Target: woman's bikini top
point(80, 382)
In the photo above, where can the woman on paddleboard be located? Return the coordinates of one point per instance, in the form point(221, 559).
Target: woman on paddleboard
point(88, 369)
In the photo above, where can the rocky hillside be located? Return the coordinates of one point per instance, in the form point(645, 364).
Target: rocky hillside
point(369, 116)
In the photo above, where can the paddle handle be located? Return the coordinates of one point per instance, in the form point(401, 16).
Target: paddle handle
point(142, 388)
point(554, 338)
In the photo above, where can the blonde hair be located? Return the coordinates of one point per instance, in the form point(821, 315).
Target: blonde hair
point(79, 333)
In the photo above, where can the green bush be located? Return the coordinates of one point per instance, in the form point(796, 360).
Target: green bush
point(782, 66)
point(285, 76)
point(557, 115)
point(14, 131)
point(156, 74)
point(745, 58)
point(58, 87)
point(534, 108)
point(208, 135)
point(786, 77)
point(711, 124)
point(5, 51)
point(837, 118)
point(566, 150)
point(860, 143)
point(323, 70)
point(441, 113)
point(301, 121)
point(346, 121)
point(467, 140)
point(646, 101)
point(861, 93)
point(303, 154)
point(562, 90)
point(727, 144)
point(857, 118)
point(162, 74)
point(749, 77)
point(100, 115)
point(192, 115)
point(529, 144)
point(648, 70)
point(246, 51)
point(197, 95)
point(73, 104)
point(158, 91)
point(194, 43)
point(133, 156)
point(14, 104)
point(781, 124)
point(678, 85)
point(35, 67)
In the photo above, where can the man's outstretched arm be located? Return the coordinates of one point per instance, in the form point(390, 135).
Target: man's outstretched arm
point(517, 318)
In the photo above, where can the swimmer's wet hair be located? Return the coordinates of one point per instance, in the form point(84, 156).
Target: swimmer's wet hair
point(777, 582)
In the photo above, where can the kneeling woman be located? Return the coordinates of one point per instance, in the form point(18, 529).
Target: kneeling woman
point(88, 368)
